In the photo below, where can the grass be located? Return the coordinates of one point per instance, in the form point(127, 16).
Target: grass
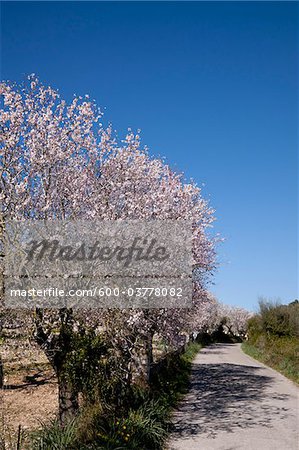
point(53, 437)
point(280, 353)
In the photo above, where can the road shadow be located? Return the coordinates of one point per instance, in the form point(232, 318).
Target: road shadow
point(224, 397)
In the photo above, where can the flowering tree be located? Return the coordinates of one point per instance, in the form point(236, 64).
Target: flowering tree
point(46, 152)
point(207, 315)
point(235, 320)
point(57, 161)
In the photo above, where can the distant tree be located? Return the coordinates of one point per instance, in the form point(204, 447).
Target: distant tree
point(236, 320)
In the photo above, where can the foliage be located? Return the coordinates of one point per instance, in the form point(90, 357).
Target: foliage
point(144, 423)
point(274, 337)
point(280, 320)
point(89, 366)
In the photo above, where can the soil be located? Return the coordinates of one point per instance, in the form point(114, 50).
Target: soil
point(29, 395)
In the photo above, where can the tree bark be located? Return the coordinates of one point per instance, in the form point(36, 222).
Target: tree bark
point(67, 400)
point(1, 373)
point(57, 349)
point(149, 354)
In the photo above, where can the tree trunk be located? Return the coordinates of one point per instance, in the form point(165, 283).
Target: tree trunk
point(67, 400)
point(1, 364)
point(1, 373)
point(57, 349)
point(149, 354)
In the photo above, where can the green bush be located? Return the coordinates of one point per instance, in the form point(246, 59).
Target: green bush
point(279, 320)
point(145, 422)
point(274, 337)
point(143, 427)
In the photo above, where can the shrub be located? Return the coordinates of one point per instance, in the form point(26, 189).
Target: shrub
point(274, 337)
point(279, 320)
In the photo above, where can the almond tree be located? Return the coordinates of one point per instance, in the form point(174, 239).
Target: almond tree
point(57, 161)
point(47, 151)
point(235, 320)
point(206, 315)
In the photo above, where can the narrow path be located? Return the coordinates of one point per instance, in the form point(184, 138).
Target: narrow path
point(236, 403)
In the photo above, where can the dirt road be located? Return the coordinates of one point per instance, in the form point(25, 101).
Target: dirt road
point(236, 403)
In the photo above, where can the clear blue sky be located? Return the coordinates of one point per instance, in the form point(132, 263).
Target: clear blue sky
point(213, 86)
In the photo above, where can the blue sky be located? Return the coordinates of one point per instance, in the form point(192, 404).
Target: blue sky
point(213, 87)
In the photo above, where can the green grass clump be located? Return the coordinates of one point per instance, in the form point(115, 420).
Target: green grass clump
point(52, 437)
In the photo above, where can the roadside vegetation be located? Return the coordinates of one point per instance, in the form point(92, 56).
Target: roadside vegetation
point(142, 421)
point(273, 337)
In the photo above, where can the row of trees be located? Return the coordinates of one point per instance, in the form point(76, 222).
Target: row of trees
point(58, 161)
